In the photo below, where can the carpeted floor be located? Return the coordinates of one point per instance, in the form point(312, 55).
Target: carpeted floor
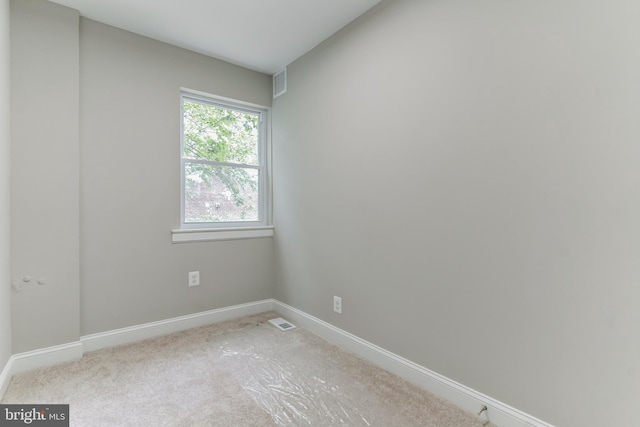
point(243, 372)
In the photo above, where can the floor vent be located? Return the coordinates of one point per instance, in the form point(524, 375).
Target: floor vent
point(281, 324)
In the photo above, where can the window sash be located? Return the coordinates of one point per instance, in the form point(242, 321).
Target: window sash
point(263, 187)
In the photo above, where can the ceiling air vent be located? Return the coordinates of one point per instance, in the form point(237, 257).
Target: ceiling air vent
point(280, 82)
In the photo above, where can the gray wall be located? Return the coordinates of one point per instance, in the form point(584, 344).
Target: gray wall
point(45, 233)
point(464, 175)
point(130, 186)
point(95, 182)
point(5, 186)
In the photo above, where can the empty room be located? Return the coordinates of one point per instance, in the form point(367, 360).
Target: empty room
point(320, 212)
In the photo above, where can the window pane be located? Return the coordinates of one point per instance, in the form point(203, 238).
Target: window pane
point(220, 193)
point(220, 134)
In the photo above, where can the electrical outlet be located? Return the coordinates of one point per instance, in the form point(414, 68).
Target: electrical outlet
point(194, 278)
point(337, 304)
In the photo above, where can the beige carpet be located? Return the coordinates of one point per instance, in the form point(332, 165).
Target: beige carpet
point(244, 372)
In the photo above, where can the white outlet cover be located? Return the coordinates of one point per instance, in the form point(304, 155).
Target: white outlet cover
point(194, 278)
point(282, 324)
point(337, 304)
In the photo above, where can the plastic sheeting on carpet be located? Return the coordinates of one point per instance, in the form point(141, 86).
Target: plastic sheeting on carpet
point(244, 373)
point(290, 389)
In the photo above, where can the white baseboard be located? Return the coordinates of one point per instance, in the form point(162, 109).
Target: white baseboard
point(44, 357)
point(498, 413)
point(5, 376)
point(22, 362)
point(163, 327)
point(73, 351)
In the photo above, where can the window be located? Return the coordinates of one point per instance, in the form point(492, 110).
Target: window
point(223, 164)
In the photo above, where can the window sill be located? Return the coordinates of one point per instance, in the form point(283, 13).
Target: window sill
point(211, 234)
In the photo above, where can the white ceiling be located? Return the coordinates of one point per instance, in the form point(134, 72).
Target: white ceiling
point(263, 35)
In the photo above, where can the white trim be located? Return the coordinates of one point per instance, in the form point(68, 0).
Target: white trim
point(44, 357)
point(223, 99)
point(50, 356)
point(5, 377)
point(40, 358)
point(500, 414)
point(211, 234)
point(263, 167)
point(462, 396)
point(163, 327)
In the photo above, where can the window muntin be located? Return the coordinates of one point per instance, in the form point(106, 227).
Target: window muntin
point(223, 164)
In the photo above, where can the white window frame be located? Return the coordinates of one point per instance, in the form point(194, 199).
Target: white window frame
point(204, 231)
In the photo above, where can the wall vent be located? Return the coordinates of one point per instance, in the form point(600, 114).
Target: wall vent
point(280, 83)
